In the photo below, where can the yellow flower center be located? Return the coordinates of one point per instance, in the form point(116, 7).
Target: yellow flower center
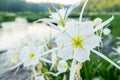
point(65, 66)
point(77, 42)
point(31, 55)
point(61, 22)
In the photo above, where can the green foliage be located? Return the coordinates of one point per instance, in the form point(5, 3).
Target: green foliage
point(103, 5)
point(99, 68)
point(22, 6)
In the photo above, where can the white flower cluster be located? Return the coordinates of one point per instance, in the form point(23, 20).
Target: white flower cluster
point(75, 41)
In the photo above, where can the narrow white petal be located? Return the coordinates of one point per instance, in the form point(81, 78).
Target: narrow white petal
point(71, 8)
point(72, 70)
point(103, 24)
point(54, 74)
point(54, 60)
point(45, 60)
point(16, 66)
point(49, 21)
point(81, 14)
point(106, 58)
point(47, 52)
point(45, 19)
point(35, 74)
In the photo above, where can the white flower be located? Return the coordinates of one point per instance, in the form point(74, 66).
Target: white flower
point(59, 16)
point(77, 40)
point(13, 55)
point(28, 55)
point(106, 31)
point(62, 66)
point(97, 21)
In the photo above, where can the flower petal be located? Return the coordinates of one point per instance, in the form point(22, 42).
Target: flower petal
point(72, 28)
point(72, 70)
point(86, 28)
point(82, 55)
point(65, 53)
point(106, 58)
point(71, 8)
point(91, 42)
point(81, 14)
point(62, 39)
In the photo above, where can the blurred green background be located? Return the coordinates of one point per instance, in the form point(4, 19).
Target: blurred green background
point(97, 70)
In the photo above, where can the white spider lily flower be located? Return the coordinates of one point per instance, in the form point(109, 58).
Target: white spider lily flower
point(28, 55)
point(77, 40)
point(97, 21)
point(62, 66)
point(13, 56)
point(106, 31)
point(8, 59)
point(59, 17)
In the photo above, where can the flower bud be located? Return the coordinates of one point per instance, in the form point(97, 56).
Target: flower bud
point(106, 31)
point(97, 21)
point(62, 66)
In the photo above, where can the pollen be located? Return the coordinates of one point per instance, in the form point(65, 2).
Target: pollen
point(31, 55)
point(77, 42)
point(61, 6)
point(49, 10)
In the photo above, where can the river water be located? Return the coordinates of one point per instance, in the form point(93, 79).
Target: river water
point(14, 31)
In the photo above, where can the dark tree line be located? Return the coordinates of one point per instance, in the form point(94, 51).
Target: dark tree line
point(22, 6)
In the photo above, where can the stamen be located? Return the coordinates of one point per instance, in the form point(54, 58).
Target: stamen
point(62, 46)
point(61, 6)
point(49, 10)
point(54, 7)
